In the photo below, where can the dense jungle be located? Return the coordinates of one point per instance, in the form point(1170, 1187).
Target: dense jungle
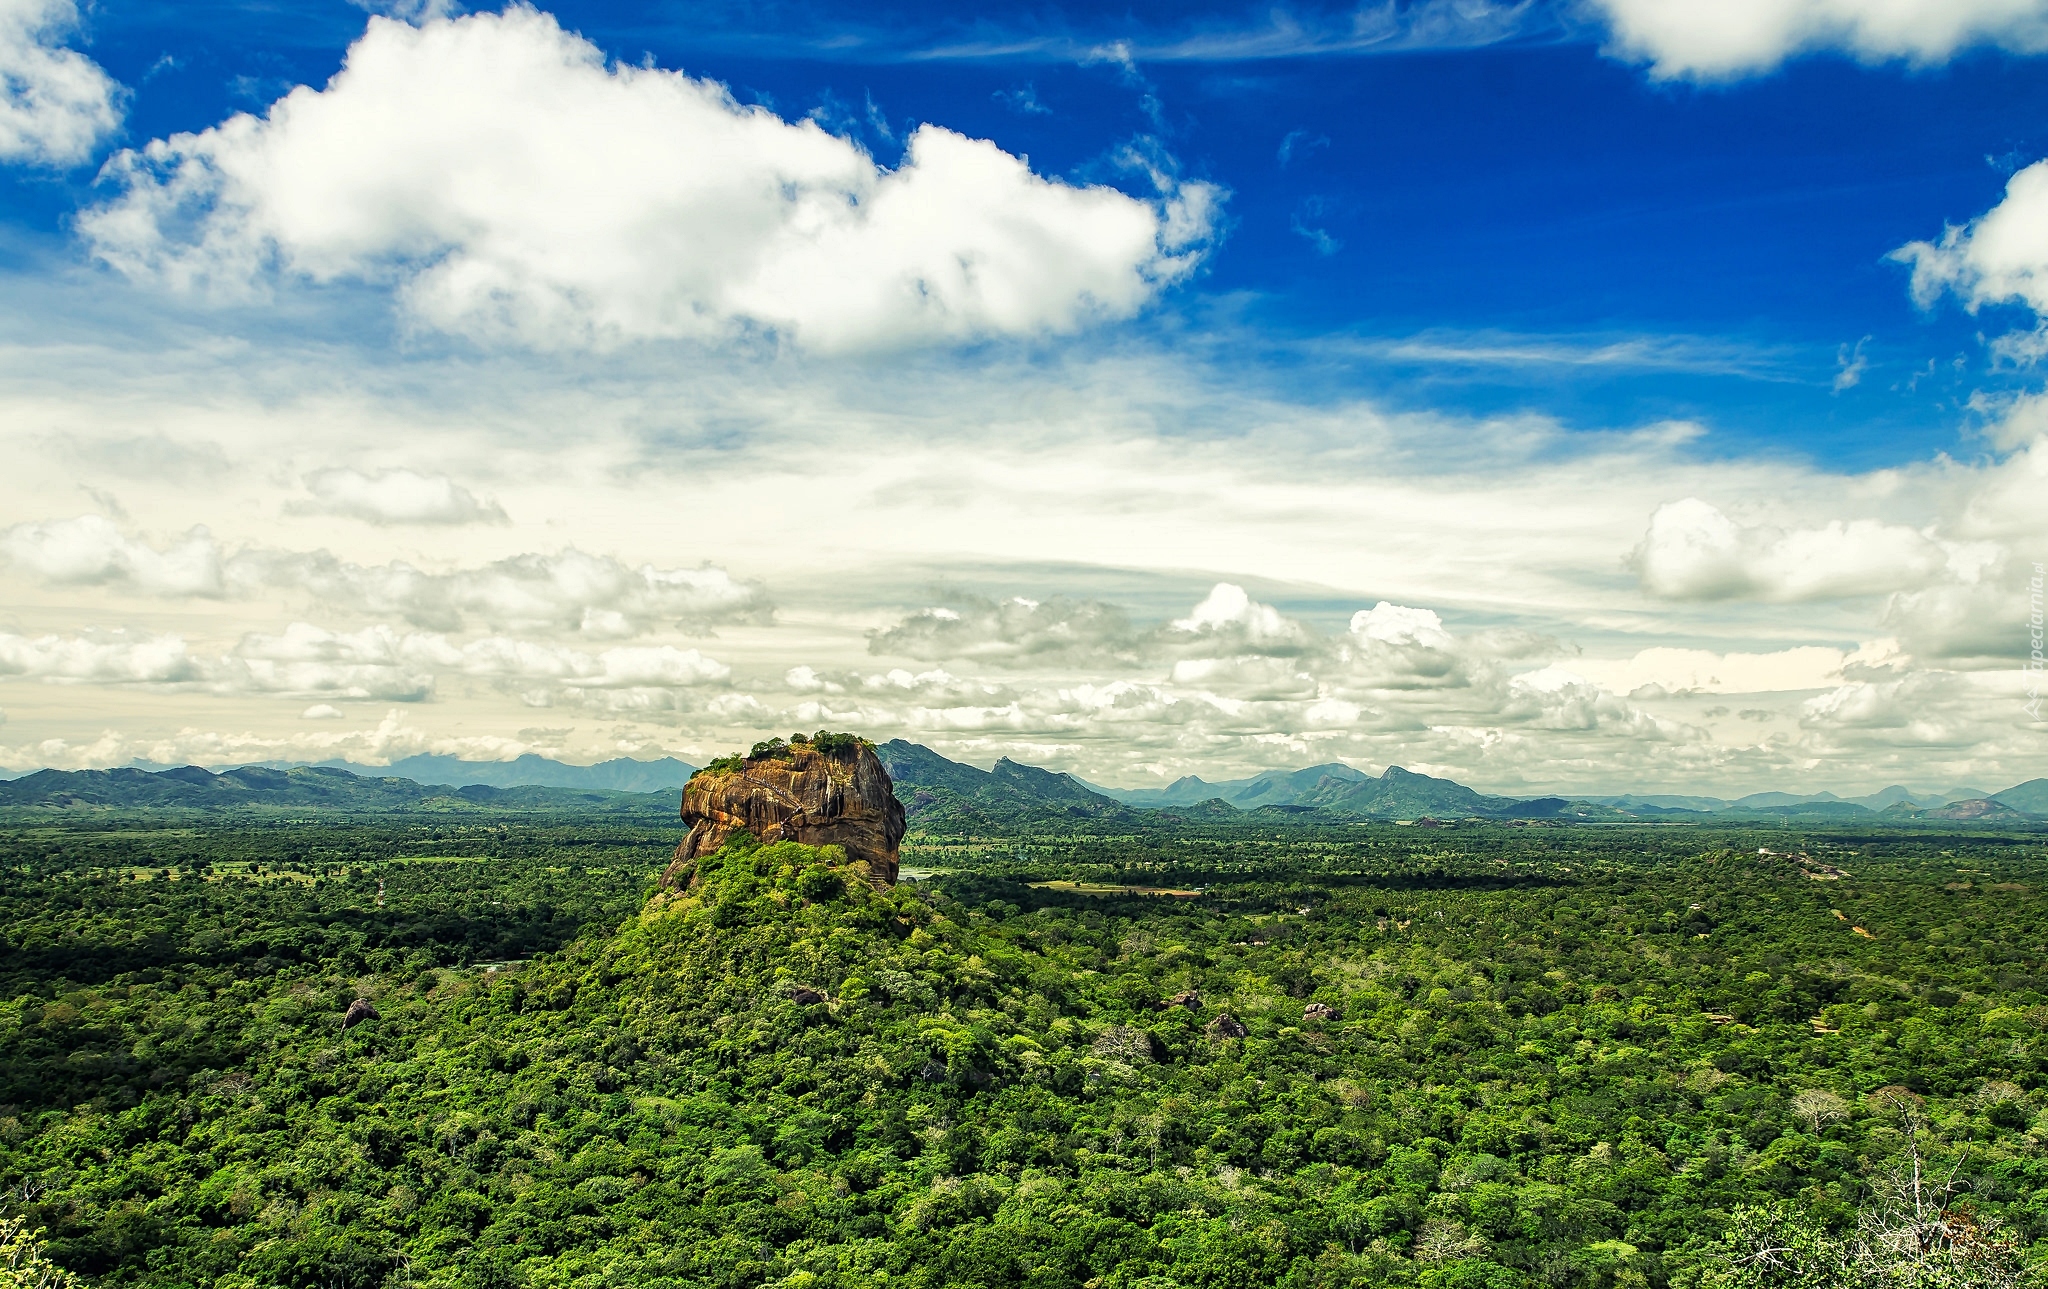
point(1213, 1053)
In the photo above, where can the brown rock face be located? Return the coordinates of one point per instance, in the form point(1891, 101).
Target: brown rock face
point(1227, 1026)
point(839, 796)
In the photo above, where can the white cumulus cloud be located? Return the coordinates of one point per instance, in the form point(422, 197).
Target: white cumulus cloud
point(1394, 645)
point(92, 550)
point(1968, 625)
point(1228, 618)
point(1925, 710)
point(395, 497)
point(55, 103)
point(112, 658)
point(569, 590)
point(492, 657)
point(1558, 699)
point(2000, 256)
point(376, 662)
point(391, 739)
point(1016, 632)
point(166, 662)
point(1720, 39)
point(1693, 551)
point(518, 189)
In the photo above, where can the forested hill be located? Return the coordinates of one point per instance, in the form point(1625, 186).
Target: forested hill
point(940, 794)
point(1399, 793)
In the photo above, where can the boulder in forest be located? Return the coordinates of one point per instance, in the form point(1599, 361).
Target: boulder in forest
point(1319, 1011)
point(830, 790)
point(803, 996)
point(360, 1010)
point(1187, 998)
point(1227, 1026)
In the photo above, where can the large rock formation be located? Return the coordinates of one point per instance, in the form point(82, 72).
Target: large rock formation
point(831, 791)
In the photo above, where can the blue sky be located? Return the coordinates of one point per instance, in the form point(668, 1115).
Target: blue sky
point(1520, 199)
point(1508, 201)
point(1623, 271)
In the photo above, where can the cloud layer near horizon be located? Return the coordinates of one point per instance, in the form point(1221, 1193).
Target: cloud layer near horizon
point(567, 590)
point(1556, 612)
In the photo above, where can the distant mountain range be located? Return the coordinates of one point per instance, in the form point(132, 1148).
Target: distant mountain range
point(303, 787)
point(1273, 788)
point(2014, 805)
point(938, 793)
point(945, 795)
point(529, 771)
point(1402, 794)
point(1394, 794)
point(1892, 796)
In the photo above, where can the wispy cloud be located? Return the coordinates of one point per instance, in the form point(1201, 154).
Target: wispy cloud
point(1386, 27)
point(1706, 355)
point(1317, 237)
point(394, 497)
point(1022, 100)
point(1851, 363)
point(1297, 144)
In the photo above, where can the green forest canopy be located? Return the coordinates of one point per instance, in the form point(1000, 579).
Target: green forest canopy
point(1491, 1056)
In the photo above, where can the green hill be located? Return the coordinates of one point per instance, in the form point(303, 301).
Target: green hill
point(1984, 810)
point(942, 795)
point(1397, 793)
point(2030, 797)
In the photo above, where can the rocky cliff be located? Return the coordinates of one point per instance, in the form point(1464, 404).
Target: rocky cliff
point(828, 791)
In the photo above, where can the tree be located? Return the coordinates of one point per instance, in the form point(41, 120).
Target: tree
point(23, 1264)
point(1913, 1233)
